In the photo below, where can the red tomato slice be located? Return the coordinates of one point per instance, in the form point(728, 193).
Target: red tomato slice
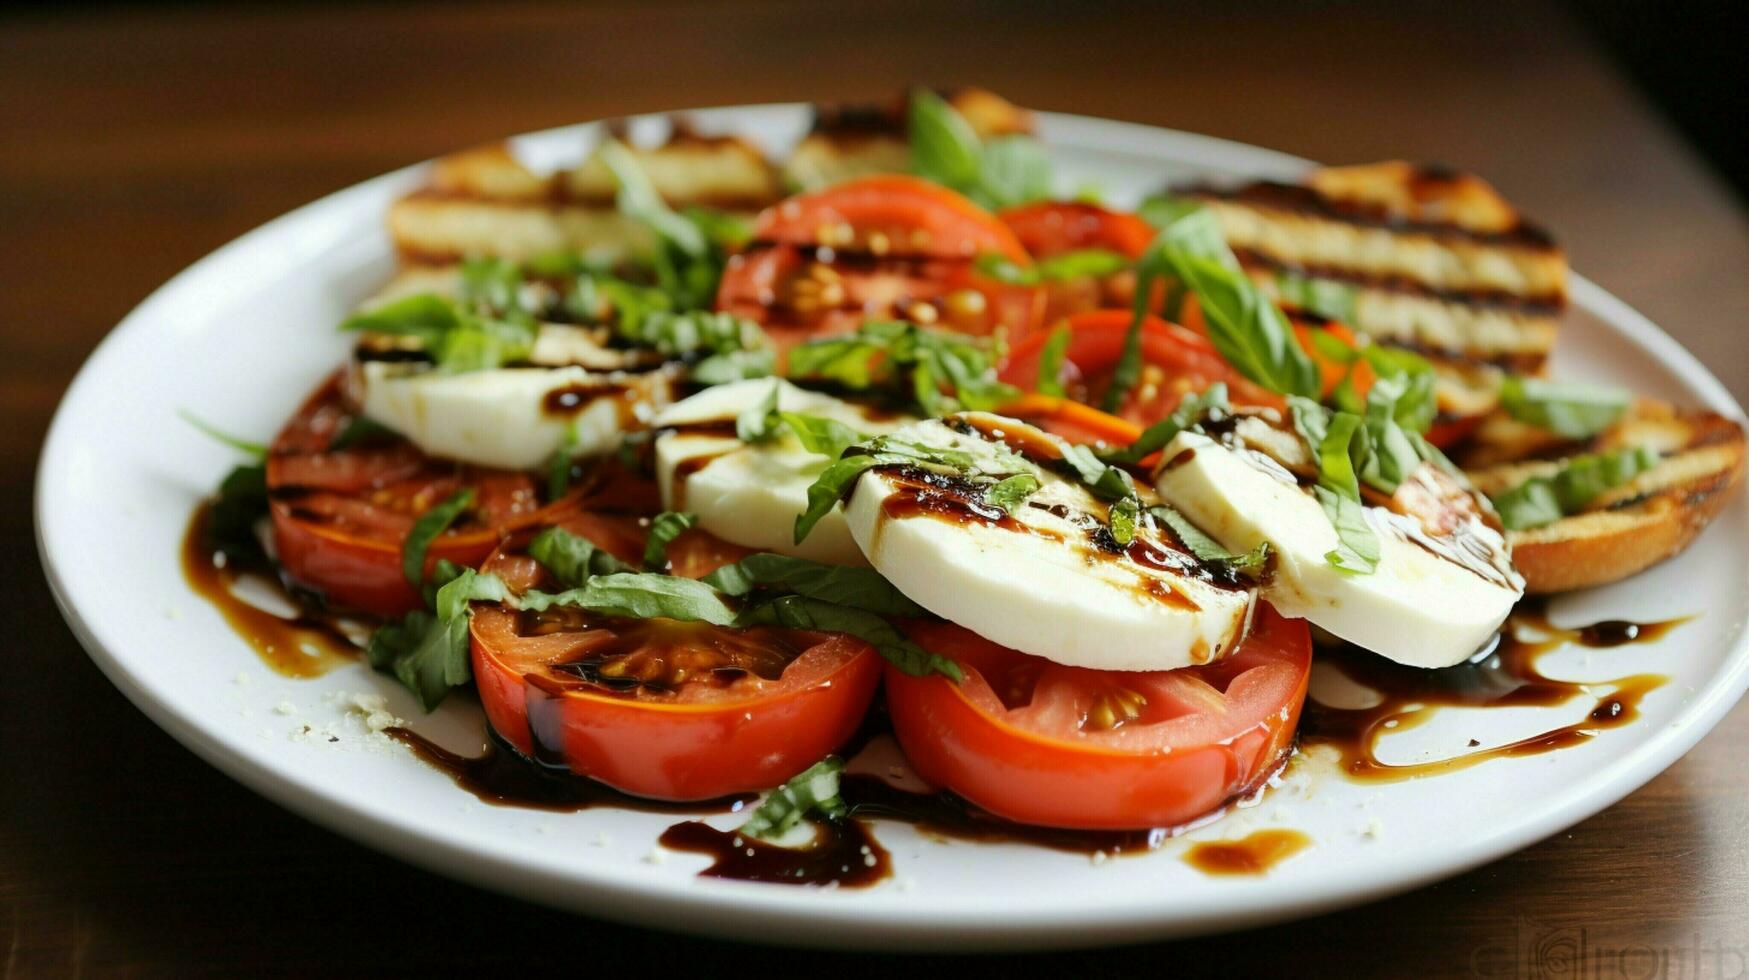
point(1040, 743)
point(1175, 362)
point(664, 709)
point(888, 214)
point(1054, 227)
point(340, 517)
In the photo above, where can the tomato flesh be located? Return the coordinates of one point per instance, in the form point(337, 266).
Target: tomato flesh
point(664, 709)
point(1041, 743)
point(340, 516)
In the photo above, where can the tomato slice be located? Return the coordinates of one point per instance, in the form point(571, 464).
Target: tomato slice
point(659, 708)
point(889, 214)
point(1053, 227)
point(1040, 743)
point(1175, 362)
point(340, 516)
point(884, 247)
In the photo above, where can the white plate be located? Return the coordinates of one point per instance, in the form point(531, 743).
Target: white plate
point(243, 334)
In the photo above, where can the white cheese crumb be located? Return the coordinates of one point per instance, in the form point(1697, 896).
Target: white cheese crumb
point(243, 679)
point(173, 613)
point(1375, 828)
point(656, 856)
point(374, 709)
point(1097, 857)
point(601, 839)
point(285, 707)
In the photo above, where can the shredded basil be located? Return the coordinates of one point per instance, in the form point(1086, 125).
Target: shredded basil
point(940, 370)
point(1248, 329)
point(1010, 492)
point(426, 529)
point(1095, 262)
point(664, 528)
point(836, 480)
point(1332, 439)
point(638, 595)
point(1208, 549)
point(1327, 298)
point(572, 558)
point(1050, 362)
point(1005, 171)
point(254, 450)
point(814, 790)
point(1573, 411)
point(1543, 500)
point(429, 651)
point(240, 505)
point(735, 365)
point(856, 588)
point(1209, 403)
point(759, 423)
point(360, 429)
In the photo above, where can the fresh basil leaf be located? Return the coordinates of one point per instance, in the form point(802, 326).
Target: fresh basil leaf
point(664, 528)
point(805, 613)
point(690, 333)
point(1013, 170)
point(1572, 411)
point(759, 422)
point(815, 790)
point(254, 450)
point(738, 365)
point(1210, 402)
point(429, 651)
point(491, 283)
point(1094, 262)
point(821, 436)
point(426, 529)
point(638, 595)
point(905, 360)
point(1206, 548)
point(637, 197)
point(1247, 328)
point(1338, 492)
point(425, 316)
point(572, 558)
point(724, 229)
point(1543, 500)
point(360, 429)
point(856, 588)
point(1330, 299)
point(1125, 513)
point(1010, 492)
point(831, 486)
point(1050, 363)
point(944, 147)
point(1388, 456)
point(240, 505)
point(559, 466)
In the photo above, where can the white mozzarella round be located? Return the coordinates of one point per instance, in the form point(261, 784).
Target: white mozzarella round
point(750, 495)
point(502, 418)
point(1039, 582)
point(1433, 601)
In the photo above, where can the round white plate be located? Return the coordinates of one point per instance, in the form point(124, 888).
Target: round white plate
point(241, 336)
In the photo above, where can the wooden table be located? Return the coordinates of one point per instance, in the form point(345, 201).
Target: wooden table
point(135, 143)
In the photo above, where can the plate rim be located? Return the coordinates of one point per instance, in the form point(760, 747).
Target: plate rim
point(744, 910)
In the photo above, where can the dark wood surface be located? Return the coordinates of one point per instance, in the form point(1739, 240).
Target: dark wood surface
point(133, 143)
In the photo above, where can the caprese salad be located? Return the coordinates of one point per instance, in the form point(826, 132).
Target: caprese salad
point(687, 462)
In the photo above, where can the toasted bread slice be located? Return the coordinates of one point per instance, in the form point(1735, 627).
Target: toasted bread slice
point(1627, 528)
point(1434, 260)
point(487, 202)
point(853, 141)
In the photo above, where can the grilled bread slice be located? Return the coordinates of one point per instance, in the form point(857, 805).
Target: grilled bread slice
point(487, 202)
point(856, 140)
point(1426, 258)
point(1627, 528)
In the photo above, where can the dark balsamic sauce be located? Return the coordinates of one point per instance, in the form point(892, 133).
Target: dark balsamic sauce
point(502, 776)
point(308, 643)
point(1506, 675)
point(843, 854)
point(1253, 854)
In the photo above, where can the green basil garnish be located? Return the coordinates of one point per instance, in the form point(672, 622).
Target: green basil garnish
point(1010, 492)
point(1332, 439)
point(429, 651)
point(1543, 500)
point(664, 528)
point(1050, 362)
point(805, 613)
point(940, 370)
point(638, 595)
point(1005, 171)
point(1206, 548)
point(572, 558)
point(856, 588)
point(426, 529)
point(1573, 411)
point(814, 790)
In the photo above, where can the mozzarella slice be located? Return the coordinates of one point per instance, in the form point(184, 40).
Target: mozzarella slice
point(1045, 579)
point(1437, 595)
point(751, 494)
point(512, 418)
